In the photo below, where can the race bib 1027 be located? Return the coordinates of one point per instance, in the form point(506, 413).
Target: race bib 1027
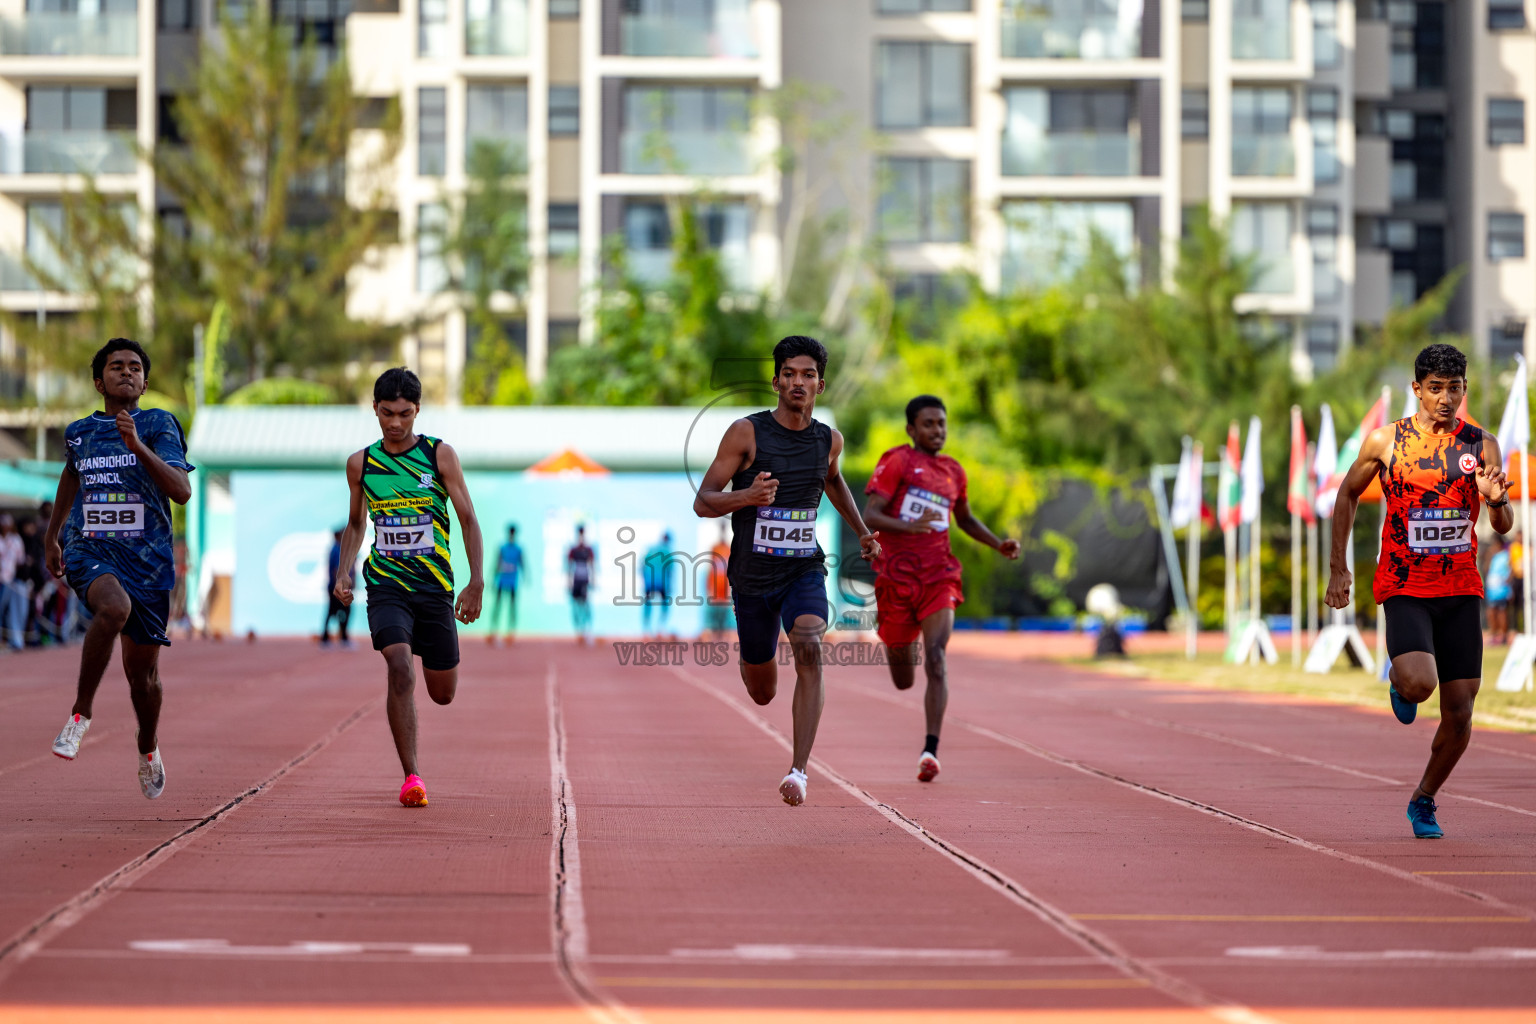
point(785, 532)
point(1439, 531)
point(918, 501)
point(108, 515)
point(407, 536)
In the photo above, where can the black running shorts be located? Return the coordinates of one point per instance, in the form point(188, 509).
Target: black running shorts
point(423, 619)
point(1450, 628)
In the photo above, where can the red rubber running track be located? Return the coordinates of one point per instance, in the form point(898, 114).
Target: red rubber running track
point(605, 842)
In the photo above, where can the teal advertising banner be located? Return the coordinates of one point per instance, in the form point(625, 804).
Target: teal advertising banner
point(283, 533)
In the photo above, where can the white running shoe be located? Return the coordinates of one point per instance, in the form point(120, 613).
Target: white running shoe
point(792, 789)
point(152, 774)
point(927, 767)
point(67, 745)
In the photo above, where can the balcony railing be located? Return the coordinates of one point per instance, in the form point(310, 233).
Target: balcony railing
point(654, 266)
point(1263, 156)
point(727, 34)
point(49, 34)
point(1260, 39)
point(504, 34)
point(684, 152)
point(14, 276)
point(1036, 32)
point(103, 152)
point(1060, 154)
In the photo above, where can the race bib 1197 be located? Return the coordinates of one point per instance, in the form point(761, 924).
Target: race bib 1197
point(1439, 531)
point(785, 532)
point(113, 516)
point(407, 536)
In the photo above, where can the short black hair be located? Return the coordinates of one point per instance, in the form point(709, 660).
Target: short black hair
point(922, 402)
point(1441, 360)
point(799, 345)
point(99, 361)
point(395, 383)
point(511, 527)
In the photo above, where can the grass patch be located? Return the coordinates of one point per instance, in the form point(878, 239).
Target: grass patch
point(1344, 685)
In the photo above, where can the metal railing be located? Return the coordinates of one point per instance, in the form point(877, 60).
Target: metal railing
point(1046, 32)
point(52, 34)
point(497, 35)
point(1062, 154)
point(727, 34)
point(1263, 156)
point(101, 152)
point(684, 152)
point(1260, 39)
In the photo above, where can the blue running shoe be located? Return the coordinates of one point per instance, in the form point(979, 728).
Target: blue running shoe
point(1421, 814)
point(1405, 710)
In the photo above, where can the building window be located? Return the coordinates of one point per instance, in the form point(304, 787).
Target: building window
point(564, 9)
point(1196, 11)
point(725, 227)
point(1323, 232)
point(1506, 122)
point(1323, 115)
point(1262, 232)
point(925, 200)
point(1325, 34)
point(1397, 235)
point(1261, 29)
point(1195, 107)
point(1261, 133)
point(686, 129)
point(1323, 344)
point(1505, 15)
point(1405, 179)
point(564, 228)
point(432, 28)
point(920, 6)
point(1060, 132)
point(1047, 242)
point(1506, 236)
point(496, 115)
point(1506, 340)
point(923, 85)
point(564, 110)
point(177, 15)
point(431, 229)
point(431, 132)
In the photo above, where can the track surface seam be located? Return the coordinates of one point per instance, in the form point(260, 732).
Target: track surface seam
point(1219, 813)
point(29, 940)
point(568, 919)
point(1096, 943)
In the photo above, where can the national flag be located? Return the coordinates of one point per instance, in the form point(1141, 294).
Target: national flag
point(1375, 418)
point(1324, 462)
point(1515, 426)
point(1186, 491)
point(1229, 485)
point(1297, 494)
point(1253, 473)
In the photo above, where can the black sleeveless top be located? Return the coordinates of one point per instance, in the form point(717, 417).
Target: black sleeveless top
point(798, 460)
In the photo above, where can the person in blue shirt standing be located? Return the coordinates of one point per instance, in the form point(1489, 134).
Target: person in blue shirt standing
point(658, 591)
point(509, 566)
point(1498, 591)
point(123, 468)
point(338, 610)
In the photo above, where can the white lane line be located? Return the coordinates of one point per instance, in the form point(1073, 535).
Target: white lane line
point(1319, 954)
point(568, 916)
point(298, 948)
point(768, 953)
point(1102, 946)
point(26, 943)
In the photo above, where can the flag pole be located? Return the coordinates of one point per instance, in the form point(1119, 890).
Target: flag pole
point(1312, 539)
point(1295, 551)
point(1192, 642)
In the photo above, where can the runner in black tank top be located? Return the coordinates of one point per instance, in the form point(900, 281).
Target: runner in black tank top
point(778, 465)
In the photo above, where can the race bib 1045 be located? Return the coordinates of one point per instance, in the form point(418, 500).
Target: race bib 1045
point(408, 536)
point(785, 532)
point(1439, 531)
point(919, 501)
point(112, 516)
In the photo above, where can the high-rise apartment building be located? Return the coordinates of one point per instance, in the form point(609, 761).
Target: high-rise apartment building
point(1358, 149)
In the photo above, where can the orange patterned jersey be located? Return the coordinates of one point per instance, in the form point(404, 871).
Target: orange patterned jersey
point(1429, 542)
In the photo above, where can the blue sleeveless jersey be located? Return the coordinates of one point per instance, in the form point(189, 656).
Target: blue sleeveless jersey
point(120, 517)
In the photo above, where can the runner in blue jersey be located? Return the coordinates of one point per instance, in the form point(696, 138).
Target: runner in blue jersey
point(123, 468)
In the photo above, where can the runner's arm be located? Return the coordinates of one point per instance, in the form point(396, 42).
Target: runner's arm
point(352, 536)
point(1493, 486)
point(1370, 462)
point(467, 609)
point(842, 499)
point(63, 502)
point(736, 450)
point(172, 480)
point(977, 530)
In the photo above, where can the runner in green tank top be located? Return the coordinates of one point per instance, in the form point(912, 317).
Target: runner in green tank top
point(403, 483)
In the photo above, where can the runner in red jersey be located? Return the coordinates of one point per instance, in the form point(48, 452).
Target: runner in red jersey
point(1434, 468)
point(913, 492)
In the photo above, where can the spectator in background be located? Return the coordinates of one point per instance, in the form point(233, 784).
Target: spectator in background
point(32, 570)
point(509, 566)
point(1516, 606)
point(1497, 591)
point(717, 604)
point(656, 574)
point(579, 562)
point(15, 592)
point(338, 610)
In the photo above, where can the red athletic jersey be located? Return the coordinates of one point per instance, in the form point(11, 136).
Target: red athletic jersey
point(1429, 541)
point(911, 480)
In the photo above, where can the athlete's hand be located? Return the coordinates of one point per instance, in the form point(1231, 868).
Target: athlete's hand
point(343, 588)
point(1339, 582)
point(53, 558)
point(1492, 484)
point(1009, 549)
point(128, 430)
point(763, 490)
point(869, 546)
point(467, 608)
point(925, 522)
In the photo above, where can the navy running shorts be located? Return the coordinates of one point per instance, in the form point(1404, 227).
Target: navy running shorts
point(759, 616)
point(149, 610)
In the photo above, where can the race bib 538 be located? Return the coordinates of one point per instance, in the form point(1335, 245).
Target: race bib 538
point(1439, 531)
point(109, 515)
point(408, 536)
point(785, 532)
point(919, 501)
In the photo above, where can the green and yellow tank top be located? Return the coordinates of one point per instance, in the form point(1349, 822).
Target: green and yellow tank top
point(408, 503)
